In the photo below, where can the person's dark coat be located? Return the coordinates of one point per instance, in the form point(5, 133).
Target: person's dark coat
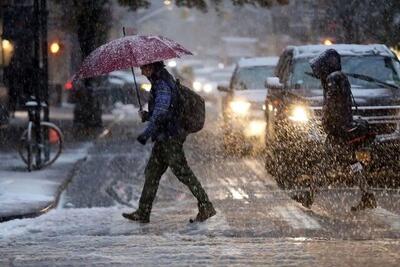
point(163, 108)
point(336, 113)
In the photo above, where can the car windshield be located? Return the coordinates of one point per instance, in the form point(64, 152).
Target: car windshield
point(384, 69)
point(220, 77)
point(251, 77)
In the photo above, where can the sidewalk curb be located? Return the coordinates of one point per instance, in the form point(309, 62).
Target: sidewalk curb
point(50, 205)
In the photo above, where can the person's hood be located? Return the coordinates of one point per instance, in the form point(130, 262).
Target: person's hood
point(326, 63)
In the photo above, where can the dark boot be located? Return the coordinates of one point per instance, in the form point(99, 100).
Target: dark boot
point(205, 211)
point(305, 198)
point(367, 201)
point(137, 216)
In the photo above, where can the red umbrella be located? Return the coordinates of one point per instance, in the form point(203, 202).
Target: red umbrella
point(130, 51)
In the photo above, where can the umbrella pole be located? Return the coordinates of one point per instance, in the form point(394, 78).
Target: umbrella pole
point(134, 79)
point(137, 90)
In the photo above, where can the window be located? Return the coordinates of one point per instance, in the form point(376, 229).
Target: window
point(252, 77)
point(381, 68)
point(284, 67)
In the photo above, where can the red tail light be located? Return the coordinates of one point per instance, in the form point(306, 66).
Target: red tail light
point(276, 102)
point(68, 85)
point(53, 136)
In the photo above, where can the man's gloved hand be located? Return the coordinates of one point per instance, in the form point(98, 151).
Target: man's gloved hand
point(144, 115)
point(142, 138)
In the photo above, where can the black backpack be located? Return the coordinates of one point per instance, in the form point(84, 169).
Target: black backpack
point(359, 130)
point(191, 108)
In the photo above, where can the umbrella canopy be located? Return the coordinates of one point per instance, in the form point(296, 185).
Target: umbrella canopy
point(130, 51)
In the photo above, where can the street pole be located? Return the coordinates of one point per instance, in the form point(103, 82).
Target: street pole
point(44, 73)
point(44, 70)
point(1, 38)
point(37, 77)
point(36, 49)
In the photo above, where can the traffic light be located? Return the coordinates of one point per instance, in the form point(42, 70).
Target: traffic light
point(6, 50)
point(55, 48)
point(328, 41)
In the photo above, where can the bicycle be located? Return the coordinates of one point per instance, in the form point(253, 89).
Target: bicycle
point(42, 142)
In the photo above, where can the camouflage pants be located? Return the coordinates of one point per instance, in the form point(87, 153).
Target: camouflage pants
point(166, 154)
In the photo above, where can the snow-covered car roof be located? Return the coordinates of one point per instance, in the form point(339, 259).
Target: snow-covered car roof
point(343, 49)
point(257, 61)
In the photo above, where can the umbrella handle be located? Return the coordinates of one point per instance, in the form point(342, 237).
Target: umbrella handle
point(134, 79)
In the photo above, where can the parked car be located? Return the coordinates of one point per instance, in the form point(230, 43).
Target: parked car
point(116, 86)
point(242, 103)
point(294, 101)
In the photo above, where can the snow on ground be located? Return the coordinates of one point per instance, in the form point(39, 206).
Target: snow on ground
point(24, 192)
point(256, 223)
point(100, 236)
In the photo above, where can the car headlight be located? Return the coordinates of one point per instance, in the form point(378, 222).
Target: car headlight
point(146, 87)
point(299, 114)
point(240, 107)
point(256, 128)
point(207, 88)
point(197, 86)
point(172, 63)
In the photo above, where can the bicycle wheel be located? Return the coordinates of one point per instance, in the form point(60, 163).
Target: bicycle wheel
point(52, 145)
point(25, 146)
point(40, 155)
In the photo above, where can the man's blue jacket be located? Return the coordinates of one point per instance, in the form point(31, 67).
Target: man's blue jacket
point(163, 108)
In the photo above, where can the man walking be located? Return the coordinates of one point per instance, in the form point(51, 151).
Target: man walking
point(165, 130)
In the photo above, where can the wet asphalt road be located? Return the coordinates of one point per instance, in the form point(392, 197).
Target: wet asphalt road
point(257, 222)
point(246, 195)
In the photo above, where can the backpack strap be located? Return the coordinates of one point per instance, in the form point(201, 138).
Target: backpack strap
point(174, 88)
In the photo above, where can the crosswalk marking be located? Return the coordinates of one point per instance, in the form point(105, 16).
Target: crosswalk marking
point(215, 224)
point(258, 169)
point(296, 218)
point(237, 192)
point(253, 187)
point(390, 218)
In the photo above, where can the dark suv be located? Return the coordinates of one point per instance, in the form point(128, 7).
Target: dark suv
point(294, 104)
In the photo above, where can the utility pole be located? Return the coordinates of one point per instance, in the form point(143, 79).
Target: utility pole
point(37, 75)
point(41, 68)
point(36, 50)
point(43, 14)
